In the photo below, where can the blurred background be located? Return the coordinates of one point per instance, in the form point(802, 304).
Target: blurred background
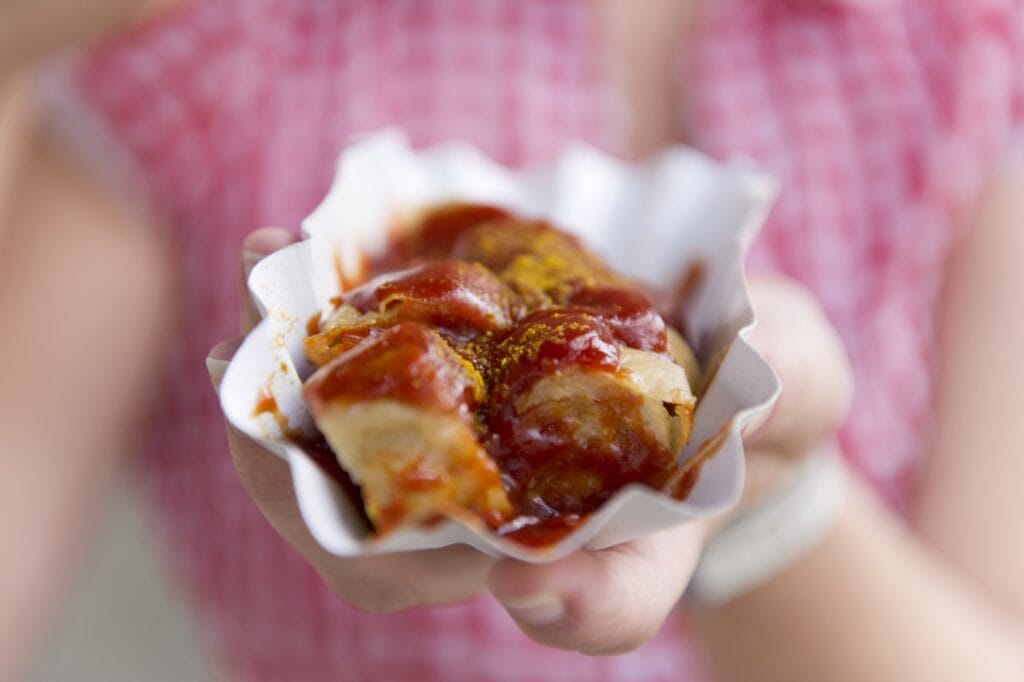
point(123, 620)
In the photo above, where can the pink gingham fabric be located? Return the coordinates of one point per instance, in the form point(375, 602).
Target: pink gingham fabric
point(881, 120)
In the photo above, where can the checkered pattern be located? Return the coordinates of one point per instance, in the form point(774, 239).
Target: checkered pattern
point(881, 119)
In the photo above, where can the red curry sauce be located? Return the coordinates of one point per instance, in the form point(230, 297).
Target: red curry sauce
point(491, 305)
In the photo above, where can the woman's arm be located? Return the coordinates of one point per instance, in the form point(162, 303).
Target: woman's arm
point(971, 505)
point(943, 600)
point(84, 289)
point(30, 31)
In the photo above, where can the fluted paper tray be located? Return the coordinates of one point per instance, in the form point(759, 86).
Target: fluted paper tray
point(651, 221)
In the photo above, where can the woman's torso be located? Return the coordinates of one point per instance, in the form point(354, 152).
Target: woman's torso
point(234, 112)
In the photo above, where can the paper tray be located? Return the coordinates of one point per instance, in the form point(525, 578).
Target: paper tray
point(651, 221)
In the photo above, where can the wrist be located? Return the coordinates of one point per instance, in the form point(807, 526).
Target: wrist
point(773, 533)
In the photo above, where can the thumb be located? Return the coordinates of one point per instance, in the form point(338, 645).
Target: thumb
point(218, 358)
point(806, 352)
point(604, 602)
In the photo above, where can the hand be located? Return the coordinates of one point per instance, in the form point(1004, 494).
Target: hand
point(378, 584)
point(612, 601)
point(595, 602)
point(603, 602)
point(806, 352)
point(29, 32)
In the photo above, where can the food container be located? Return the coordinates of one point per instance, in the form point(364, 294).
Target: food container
point(677, 213)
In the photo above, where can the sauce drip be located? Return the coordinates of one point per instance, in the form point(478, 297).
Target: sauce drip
point(267, 404)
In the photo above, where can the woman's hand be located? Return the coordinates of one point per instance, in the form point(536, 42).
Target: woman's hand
point(32, 31)
point(378, 584)
point(614, 600)
point(601, 602)
point(805, 351)
point(595, 602)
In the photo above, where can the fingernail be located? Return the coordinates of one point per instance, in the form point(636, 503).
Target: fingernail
point(250, 259)
point(751, 428)
point(216, 368)
point(536, 610)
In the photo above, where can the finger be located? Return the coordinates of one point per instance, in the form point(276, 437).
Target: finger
point(218, 358)
point(383, 583)
point(256, 246)
point(389, 583)
point(378, 584)
point(806, 352)
point(604, 602)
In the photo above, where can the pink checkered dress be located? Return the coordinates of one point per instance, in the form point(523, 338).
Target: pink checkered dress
point(880, 122)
